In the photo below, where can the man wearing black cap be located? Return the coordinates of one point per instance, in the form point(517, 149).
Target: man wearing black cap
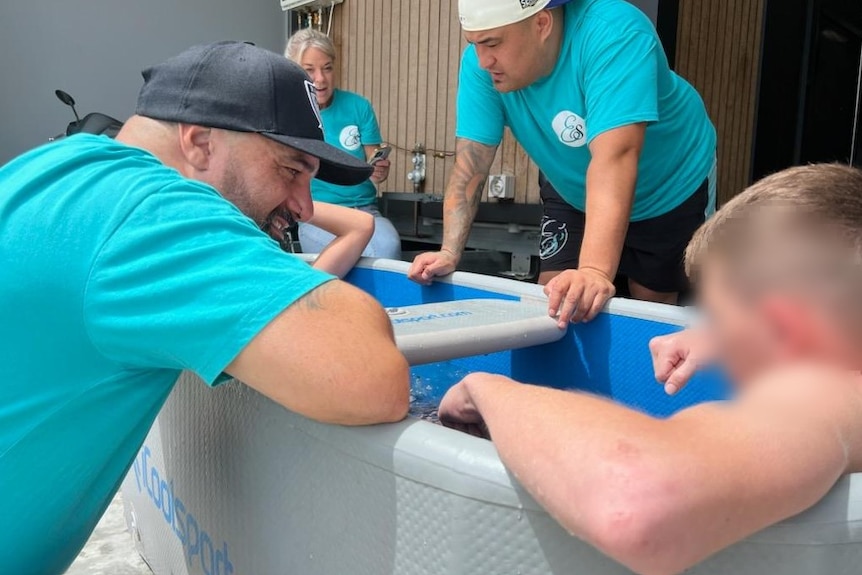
point(125, 262)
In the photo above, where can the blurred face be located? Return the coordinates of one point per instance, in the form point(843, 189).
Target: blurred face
point(264, 178)
point(321, 69)
point(779, 326)
point(741, 332)
point(515, 55)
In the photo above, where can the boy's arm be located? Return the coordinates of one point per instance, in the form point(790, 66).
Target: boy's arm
point(661, 495)
point(352, 230)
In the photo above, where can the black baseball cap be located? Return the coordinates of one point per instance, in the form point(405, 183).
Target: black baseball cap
point(240, 87)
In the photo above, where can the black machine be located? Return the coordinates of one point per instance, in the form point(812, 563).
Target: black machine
point(93, 123)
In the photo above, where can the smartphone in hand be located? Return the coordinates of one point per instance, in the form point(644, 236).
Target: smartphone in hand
point(380, 154)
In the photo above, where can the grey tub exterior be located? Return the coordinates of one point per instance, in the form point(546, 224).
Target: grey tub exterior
point(229, 482)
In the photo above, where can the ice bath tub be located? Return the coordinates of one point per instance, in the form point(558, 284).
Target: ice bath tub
point(229, 482)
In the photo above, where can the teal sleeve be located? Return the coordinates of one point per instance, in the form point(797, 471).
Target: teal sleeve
point(620, 77)
point(188, 292)
point(369, 129)
point(479, 110)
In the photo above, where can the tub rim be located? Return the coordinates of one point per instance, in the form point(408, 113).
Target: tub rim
point(431, 454)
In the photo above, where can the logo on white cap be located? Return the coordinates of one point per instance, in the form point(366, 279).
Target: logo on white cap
point(479, 15)
point(312, 98)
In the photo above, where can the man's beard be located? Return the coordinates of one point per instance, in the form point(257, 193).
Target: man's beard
point(284, 214)
point(236, 190)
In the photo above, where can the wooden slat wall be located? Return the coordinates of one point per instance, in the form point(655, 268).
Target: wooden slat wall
point(718, 51)
point(404, 55)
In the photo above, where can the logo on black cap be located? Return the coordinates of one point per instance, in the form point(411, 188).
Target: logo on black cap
point(239, 87)
point(312, 97)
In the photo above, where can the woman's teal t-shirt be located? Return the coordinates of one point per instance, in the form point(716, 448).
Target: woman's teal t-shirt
point(349, 123)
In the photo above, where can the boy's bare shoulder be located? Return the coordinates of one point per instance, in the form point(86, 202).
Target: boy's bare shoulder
point(813, 393)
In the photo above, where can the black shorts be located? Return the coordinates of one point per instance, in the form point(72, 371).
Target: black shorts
point(654, 248)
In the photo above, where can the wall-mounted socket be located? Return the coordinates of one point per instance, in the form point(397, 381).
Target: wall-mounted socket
point(501, 187)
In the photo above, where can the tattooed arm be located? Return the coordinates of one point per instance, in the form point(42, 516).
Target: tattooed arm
point(331, 356)
point(472, 164)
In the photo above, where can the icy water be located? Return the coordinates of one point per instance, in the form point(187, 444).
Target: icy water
point(428, 385)
point(426, 411)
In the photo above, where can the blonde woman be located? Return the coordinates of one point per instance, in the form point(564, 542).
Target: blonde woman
point(349, 123)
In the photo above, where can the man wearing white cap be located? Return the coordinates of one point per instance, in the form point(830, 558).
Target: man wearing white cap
point(586, 89)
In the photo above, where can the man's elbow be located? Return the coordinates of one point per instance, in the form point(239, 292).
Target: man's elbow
point(638, 529)
point(393, 388)
point(381, 392)
point(380, 373)
point(628, 538)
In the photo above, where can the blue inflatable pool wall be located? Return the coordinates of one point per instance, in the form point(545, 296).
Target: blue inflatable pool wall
point(606, 357)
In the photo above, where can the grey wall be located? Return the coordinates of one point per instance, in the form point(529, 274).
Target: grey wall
point(95, 50)
point(648, 6)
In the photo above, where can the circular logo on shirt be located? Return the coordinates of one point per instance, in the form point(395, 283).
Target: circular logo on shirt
point(571, 129)
point(349, 138)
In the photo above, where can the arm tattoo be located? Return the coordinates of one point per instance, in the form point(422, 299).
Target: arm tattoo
point(315, 300)
point(464, 192)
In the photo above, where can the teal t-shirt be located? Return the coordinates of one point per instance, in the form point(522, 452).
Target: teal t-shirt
point(115, 274)
point(349, 123)
point(612, 72)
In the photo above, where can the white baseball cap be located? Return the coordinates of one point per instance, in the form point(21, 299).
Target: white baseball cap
point(480, 15)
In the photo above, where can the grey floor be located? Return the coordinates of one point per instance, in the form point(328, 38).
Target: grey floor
point(110, 550)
